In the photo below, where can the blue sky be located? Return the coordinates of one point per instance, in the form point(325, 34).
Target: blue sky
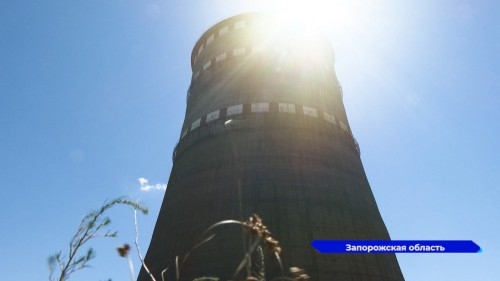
point(92, 98)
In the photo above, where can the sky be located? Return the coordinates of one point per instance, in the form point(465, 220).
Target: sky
point(93, 96)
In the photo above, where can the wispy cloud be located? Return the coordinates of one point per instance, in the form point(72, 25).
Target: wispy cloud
point(147, 187)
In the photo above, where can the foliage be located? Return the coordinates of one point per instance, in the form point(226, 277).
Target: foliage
point(204, 278)
point(93, 225)
point(258, 236)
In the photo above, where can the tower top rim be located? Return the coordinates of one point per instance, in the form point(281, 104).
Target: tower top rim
point(234, 19)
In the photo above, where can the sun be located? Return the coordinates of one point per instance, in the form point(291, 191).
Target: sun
point(299, 25)
point(318, 18)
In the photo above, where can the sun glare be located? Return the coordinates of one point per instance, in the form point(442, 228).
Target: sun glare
point(302, 25)
point(354, 27)
point(318, 18)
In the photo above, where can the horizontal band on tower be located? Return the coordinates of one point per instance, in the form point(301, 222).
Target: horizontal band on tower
point(264, 107)
point(239, 52)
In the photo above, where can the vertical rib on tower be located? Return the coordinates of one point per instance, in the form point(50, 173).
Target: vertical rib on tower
point(266, 132)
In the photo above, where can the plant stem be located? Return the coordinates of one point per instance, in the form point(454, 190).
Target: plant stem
point(136, 242)
point(131, 266)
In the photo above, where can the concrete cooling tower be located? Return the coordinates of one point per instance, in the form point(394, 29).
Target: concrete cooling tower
point(266, 132)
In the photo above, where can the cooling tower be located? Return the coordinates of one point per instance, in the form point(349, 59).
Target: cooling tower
point(266, 132)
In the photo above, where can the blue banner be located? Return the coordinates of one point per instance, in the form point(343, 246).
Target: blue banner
point(395, 246)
